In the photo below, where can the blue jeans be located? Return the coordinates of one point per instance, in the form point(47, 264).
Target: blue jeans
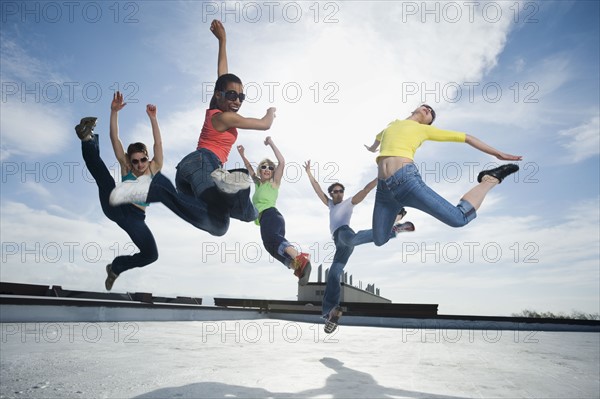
point(212, 218)
point(345, 240)
point(405, 188)
point(272, 232)
point(193, 175)
point(129, 217)
point(197, 200)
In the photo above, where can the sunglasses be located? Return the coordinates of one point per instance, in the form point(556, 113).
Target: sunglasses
point(233, 95)
point(141, 160)
point(263, 167)
point(337, 191)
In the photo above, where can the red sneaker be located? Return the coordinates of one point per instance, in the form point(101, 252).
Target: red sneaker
point(302, 268)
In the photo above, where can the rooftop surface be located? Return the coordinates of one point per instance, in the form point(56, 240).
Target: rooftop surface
point(279, 358)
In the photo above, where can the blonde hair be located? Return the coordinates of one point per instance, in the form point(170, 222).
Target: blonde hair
point(268, 162)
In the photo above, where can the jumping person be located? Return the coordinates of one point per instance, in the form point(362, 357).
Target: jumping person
point(272, 224)
point(345, 239)
point(135, 165)
point(207, 195)
point(400, 184)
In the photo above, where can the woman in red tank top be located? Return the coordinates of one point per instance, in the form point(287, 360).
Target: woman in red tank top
point(207, 195)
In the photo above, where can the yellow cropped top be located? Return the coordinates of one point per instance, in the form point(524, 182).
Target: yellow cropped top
point(402, 137)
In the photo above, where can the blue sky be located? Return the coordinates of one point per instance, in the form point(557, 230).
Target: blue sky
point(522, 76)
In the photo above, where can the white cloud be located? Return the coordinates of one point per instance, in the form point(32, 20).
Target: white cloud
point(41, 193)
point(33, 121)
point(583, 141)
point(31, 129)
point(18, 64)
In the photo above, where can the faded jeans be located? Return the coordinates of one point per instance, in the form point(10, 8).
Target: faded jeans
point(405, 188)
point(197, 199)
point(345, 240)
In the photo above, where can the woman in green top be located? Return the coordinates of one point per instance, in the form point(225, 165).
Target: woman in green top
point(272, 224)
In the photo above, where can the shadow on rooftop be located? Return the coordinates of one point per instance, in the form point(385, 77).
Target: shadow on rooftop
point(344, 383)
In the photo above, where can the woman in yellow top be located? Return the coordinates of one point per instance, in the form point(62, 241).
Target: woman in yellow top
point(272, 225)
point(400, 184)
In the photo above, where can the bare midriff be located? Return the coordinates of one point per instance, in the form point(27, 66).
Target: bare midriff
point(387, 166)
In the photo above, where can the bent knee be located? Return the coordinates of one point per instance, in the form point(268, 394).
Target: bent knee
point(153, 257)
point(150, 256)
point(458, 223)
point(379, 241)
point(219, 231)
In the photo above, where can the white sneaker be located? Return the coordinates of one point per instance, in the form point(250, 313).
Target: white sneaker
point(231, 182)
point(131, 191)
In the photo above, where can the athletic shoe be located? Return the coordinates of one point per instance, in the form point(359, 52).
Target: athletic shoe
point(332, 320)
point(131, 191)
point(401, 214)
point(86, 126)
point(110, 277)
point(400, 227)
point(302, 268)
point(499, 173)
point(231, 182)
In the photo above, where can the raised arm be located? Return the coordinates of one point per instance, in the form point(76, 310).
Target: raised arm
point(483, 147)
point(157, 161)
point(116, 105)
point(278, 173)
point(315, 184)
point(247, 163)
point(361, 195)
point(226, 120)
point(218, 30)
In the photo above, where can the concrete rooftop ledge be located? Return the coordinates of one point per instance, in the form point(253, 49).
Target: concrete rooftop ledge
point(24, 303)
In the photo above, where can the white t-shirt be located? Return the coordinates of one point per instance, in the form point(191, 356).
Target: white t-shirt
point(340, 214)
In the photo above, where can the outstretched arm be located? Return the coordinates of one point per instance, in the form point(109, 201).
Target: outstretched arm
point(483, 147)
point(218, 30)
point(247, 163)
point(278, 173)
point(116, 105)
point(226, 120)
point(315, 184)
point(157, 161)
point(361, 195)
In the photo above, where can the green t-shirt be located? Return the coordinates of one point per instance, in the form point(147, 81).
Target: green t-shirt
point(265, 197)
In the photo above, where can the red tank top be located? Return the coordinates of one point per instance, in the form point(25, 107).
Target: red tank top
point(219, 143)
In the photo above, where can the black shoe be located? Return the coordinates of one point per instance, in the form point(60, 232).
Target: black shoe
point(86, 126)
point(500, 172)
point(110, 277)
point(402, 213)
point(333, 319)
